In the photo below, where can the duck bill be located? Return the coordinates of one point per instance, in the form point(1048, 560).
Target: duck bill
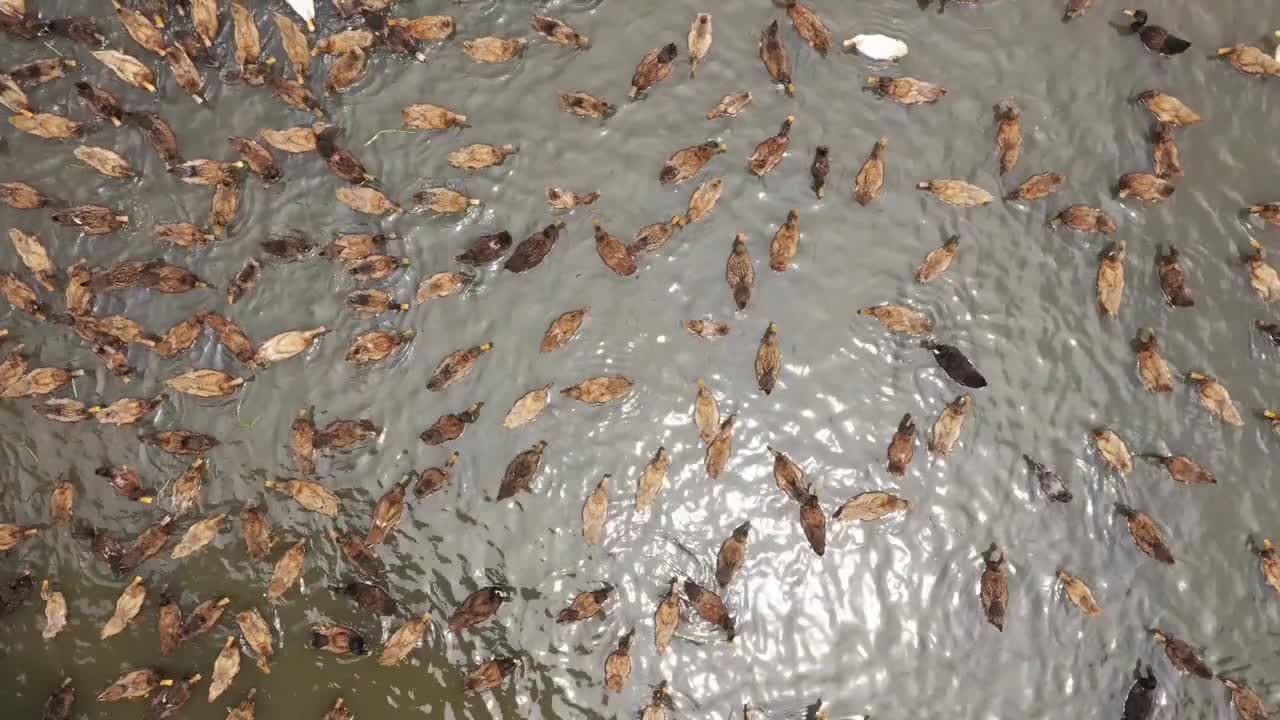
point(1129, 11)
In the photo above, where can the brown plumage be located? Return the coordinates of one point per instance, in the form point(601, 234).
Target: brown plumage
point(706, 413)
point(346, 435)
point(684, 164)
point(903, 446)
point(431, 117)
point(774, 56)
point(900, 319)
point(105, 162)
point(22, 196)
point(403, 640)
point(707, 329)
point(485, 249)
point(40, 381)
point(1085, 219)
point(1269, 212)
point(809, 25)
point(653, 237)
point(1215, 398)
point(1008, 134)
point(1149, 188)
point(1110, 281)
point(287, 571)
point(1038, 187)
point(309, 494)
point(617, 667)
point(434, 479)
point(813, 521)
point(478, 607)
point(441, 285)
point(739, 272)
point(59, 703)
point(1183, 656)
point(584, 104)
point(1164, 153)
point(527, 407)
point(1113, 450)
point(768, 359)
point(1262, 276)
point(294, 140)
point(819, 169)
point(785, 244)
point(730, 105)
point(789, 476)
point(159, 134)
point(521, 471)
point(225, 208)
point(1168, 109)
point(185, 73)
point(1153, 370)
point(700, 37)
point(494, 50)
point(362, 557)
point(1079, 594)
point(184, 235)
point(91, 219)
point(613, 253)
point(232, 337)
point(257, 157)
point(374, 302)
point(345, 72)
point(42, 70)
point(169, 625)
point(257, 637)
point(600, 389)
point(376, 267)
point(653, 68)
point(294, 42)
point(871, 176)
point(133, 685)
point(956, 192)
point(531, 251)
point(732, 555)
point(938, 260)
point(127, 411)
point(1147, 535)
point(720, 449)
point(297, 96)
point(1269, 559)
point(450, 426)
point(1183, 469)
point(595, 513)
point(710, 607)
point(35, 256)
point(128, 605)
point(491, 675)
point(946, 430)
point(387, 514)
point(562, 329)
point(128, 68)
point(872, 505)
point(585, 605)
point(769, 152)
point(256, 530)
point(64, 410)
point(1250, 60)
point(559, 32)
point(204, 617)
point(995, 588)
point(1249, 705)
point(244, 280)
point(666, 619)
point(1173, 278)
point(652, 479)
point(337, 639)
point(354, 246)
point(456, 366)
point(906, 90)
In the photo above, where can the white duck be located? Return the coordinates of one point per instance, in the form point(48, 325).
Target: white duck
point(306, 9)
point(877, 47)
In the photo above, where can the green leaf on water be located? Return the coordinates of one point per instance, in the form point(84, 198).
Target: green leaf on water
point(380, 133)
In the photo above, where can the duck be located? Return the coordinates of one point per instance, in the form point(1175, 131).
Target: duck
point(1250, 60)
point(1154, 37)
point(774, 56)
point(686, 163)
point(906, 90)
point(653, 68)
point(877, 47)
point(769, 152)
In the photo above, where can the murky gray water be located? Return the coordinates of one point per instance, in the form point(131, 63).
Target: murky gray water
point(888, 622)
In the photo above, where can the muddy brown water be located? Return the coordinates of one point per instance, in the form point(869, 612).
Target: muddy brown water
point(888, 622)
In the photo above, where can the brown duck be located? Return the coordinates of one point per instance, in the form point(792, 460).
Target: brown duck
point(1079, 594)
point(1153, 370)
point(595, 513)
point(376, 346)
point(562, 329)
point(1215, 398)
point(710, 607)
point(652, 479)
point(786, 242)
point(585, 605)
point(900, 319)
point(666, 618)
point(906, 90)
point(946, 430)
point(871, 176)
point(1085, 219)
point(1269, 212)
point(560, 32)
point(1110, 282)
point(938, 260)
point(684, 164)
point(531, 251)
point(613, 253)
point(872, 505)
point(955, 192)
point(819, 169)
point(903, 446)
point(774, 56)
point(654, 67)
point(1262, 276)
point(434, 479)
point(740, 273)
point(456, 366)
point(768, 360)
point(995, 588)
point(1149, 538)
point(1113, 450)
point(1164, 153)
point(478, 607)
point(450, 426)
point(521, 471)
point(617, 667)
point(91, 219)
point(813, 521)
point(1008, 134)
point(809, 25)
point(1173, 278)
point(1182, 468)
point(732, 555)
point(1151, 189)
point(387, 514)
point(1183, 656)
point(730, 105)
point(491, 675)
point(1038, 187)
point(769, 152)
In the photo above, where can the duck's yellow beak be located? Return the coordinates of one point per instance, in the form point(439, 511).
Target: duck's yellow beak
point(1226, 51)
point(1129, 12)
